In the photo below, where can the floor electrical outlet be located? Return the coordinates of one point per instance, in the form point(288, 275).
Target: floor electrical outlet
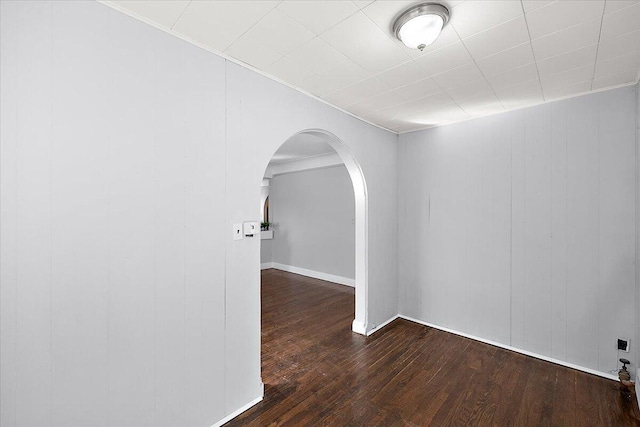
point(623, 344)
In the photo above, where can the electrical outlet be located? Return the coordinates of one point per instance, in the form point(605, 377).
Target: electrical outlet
point(251, 228)
point(623, 344)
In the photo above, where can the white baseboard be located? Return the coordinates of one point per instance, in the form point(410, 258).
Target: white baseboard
point(515, 349)
point(240, 410)
point(266, 265)
point(382, 325)
point(315, 274)
point(359, 327)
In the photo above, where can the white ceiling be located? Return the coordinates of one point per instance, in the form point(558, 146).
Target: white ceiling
point(491, 57)
point(301, 146)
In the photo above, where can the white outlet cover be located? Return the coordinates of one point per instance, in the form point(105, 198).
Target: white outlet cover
point(237, 232)
point(251, 228)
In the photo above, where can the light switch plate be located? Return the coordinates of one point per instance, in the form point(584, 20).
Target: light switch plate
point(237, 232)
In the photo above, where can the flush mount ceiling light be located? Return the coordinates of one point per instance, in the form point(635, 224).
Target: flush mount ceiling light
point(420, 25)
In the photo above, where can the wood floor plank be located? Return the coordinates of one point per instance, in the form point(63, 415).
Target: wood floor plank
point(317, 372)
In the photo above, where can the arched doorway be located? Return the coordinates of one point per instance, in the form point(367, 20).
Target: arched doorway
point(359, 324)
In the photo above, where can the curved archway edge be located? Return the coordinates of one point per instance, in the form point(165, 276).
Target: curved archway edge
point(359, 324)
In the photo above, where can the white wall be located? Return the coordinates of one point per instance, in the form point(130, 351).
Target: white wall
point(636, 345)
point(519, 228)
point(314, 214)
point(266, 251)
point(112, 255)
point(263, 110)
point(126, 156)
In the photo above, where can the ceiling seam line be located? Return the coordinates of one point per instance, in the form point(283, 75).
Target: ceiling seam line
point(251, 27)
point(385, 33)
point(181, 14)
point(372, 75)
point(232, 60)
point(483, 76)
point(595, 62)
point(562, 98)
point(535, 61)
point(437, 85)
point(375, 75)
point(399, 87)
point(318, 35)
point(482, 73)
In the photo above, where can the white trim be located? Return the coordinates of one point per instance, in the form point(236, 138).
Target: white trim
point(315, 274)
point(514, 349)
point(636, 379)
point(550, 101)
point(637, 241)
point(240, 410)
point(382, 325)
point(148, 21)
point(359, 327)
point(321, 161)
point(266, 265)
point(361, 282)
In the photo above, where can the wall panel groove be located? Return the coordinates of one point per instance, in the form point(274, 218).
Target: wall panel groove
point(548, 205)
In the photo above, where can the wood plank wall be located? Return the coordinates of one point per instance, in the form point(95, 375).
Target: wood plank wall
point(520, 228)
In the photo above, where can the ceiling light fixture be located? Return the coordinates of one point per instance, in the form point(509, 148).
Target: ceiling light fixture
point(420, 25)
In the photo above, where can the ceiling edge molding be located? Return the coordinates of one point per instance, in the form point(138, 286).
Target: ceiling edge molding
point(302, 91)
point(562, 98)
point(304, 164)
point(235, 61)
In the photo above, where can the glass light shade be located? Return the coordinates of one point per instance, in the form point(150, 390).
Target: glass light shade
point(421, 31)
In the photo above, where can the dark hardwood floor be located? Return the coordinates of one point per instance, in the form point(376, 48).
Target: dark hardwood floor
point(317, 372)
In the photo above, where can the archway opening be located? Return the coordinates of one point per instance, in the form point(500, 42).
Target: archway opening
point(342, 155)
